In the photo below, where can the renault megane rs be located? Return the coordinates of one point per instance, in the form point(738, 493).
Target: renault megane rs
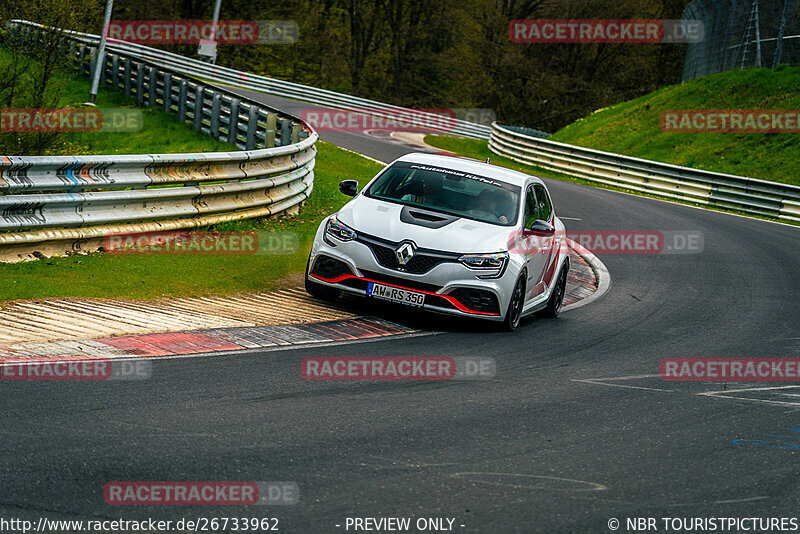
point(449, 235)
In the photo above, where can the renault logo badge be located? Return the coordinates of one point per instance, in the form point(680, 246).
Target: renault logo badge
point(404, 253)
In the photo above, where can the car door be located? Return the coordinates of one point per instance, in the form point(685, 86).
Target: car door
point(536, 248)
point(551, 249)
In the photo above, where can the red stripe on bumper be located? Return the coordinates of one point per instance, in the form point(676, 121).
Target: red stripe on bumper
point(452, 300)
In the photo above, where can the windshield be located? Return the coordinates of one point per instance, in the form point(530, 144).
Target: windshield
point(448, 191)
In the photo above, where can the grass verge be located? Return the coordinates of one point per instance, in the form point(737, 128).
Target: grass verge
point(633, 128)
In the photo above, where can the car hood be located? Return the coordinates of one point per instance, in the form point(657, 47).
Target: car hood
point(382, 219)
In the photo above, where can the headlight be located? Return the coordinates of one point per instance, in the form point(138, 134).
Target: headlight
point(486, 262)
point(340, 231)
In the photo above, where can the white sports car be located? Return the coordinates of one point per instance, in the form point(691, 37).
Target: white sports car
point(445, 234)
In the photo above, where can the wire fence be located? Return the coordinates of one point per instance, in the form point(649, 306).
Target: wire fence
point(742, 34)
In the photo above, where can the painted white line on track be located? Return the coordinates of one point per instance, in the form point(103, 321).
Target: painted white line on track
point(518, 481)
point(604, 382)
point(730, 394)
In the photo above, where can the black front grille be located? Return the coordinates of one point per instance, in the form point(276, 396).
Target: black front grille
point(328, 267)
point(476, 299)
point(423, 260)
point(384, 255)
point(418, 264)
point(394, 280)
point(355, 283)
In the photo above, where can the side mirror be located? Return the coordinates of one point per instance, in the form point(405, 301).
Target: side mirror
point(542, 229)
point(348, 187)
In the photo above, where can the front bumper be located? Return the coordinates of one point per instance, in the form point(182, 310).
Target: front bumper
point(450, 288)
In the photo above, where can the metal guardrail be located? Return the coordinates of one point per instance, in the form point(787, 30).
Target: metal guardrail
point(94, 190)
point(243, 80)
point(532, 132)
point(749, 195)
point(71, 202)
point(207, 189)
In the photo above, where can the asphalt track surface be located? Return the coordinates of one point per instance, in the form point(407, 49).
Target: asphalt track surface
point(537, 449)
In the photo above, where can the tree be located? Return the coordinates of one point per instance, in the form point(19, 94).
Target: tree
point(37, 70)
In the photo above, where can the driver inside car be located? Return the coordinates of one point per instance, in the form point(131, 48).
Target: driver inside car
point(492, 205)
point(505, 206)
point(429, 191)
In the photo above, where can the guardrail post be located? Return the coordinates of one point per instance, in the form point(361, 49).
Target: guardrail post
point(295, 133)
point(17, 35)
point(107, 72)
point(93, 61)
point(152, 83)
point(81, 58)
point(269, 132)
point(167, 92)
point(12, 34)
point(127, 78)
point(233, 121)
point(140, 83)
point(216, 104)
point(182, 96)
point(199, 102)
point(88, 66)
point(73, 47)
point(252, 126)
point(286, 131)
point(115, 71)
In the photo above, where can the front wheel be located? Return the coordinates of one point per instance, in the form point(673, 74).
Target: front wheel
point(556, 300)
point(514, 313)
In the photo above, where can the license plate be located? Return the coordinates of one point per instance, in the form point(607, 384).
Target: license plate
point(395, 294)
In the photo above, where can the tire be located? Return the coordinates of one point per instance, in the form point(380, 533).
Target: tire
point(319, 291)
point(553, 307)
point(515, 305)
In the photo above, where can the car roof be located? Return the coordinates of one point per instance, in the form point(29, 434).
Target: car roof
point(471, 166)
